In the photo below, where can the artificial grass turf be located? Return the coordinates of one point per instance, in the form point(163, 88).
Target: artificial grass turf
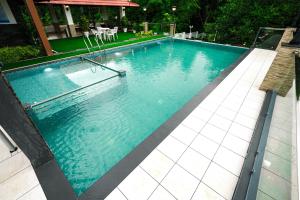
point(70, 44)
point(77, 52)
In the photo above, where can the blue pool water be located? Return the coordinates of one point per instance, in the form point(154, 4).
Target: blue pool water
point(91, 130)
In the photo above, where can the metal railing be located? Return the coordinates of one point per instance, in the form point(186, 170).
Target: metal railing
point(120, 73)
point(12, 148)
point(67, 93)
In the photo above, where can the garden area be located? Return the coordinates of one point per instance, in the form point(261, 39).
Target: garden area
point(233, 22)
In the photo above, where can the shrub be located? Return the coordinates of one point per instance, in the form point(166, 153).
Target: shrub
point(124, 22)
point(14, 54)
point(138, 27)
point(84, 23)
point(143, 34)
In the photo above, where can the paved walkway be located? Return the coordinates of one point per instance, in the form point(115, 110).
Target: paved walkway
point(17, 177)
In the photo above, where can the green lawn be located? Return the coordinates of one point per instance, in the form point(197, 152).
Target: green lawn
point(75, 46)
point(71, 44)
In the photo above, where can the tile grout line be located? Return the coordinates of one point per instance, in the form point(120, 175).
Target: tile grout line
point(11, 156)
point(286, 160)
point(157, 182)
point(29, 191)
point(15, 174)
point(274, 173)
point(266, 194)
point(122, 193)
point(175, 162)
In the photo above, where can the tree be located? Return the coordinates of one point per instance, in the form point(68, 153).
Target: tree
point(237, 21)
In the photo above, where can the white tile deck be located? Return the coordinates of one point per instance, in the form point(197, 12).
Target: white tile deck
point(17, 177)
point(202, 158)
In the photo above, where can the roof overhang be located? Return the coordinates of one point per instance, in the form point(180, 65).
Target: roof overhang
point(124, 3)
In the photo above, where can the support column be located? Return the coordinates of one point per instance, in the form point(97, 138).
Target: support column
point(122, 12)
point(70, 23)
point(54, 19)
point(39, 26)
point(172, 29)
point(145, 27)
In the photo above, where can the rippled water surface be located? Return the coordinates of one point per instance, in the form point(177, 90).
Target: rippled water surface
point(91, 130)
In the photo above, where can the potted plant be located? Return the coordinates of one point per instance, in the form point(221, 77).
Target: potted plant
point(124, 22)
point(84, 25)
point(98, 19)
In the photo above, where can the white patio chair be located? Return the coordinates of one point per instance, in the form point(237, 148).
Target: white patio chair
point(110, 34)
point(97, 35)
point(116, 31)
point(101, 33)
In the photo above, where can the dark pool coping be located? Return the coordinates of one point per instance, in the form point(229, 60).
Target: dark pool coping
point(56, 186)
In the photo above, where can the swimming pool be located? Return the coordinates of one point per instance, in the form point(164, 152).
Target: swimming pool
point(90, 130)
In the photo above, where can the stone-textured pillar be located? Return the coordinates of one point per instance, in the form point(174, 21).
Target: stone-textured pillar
point(70, 22)
point(172, 29)
point(145, 27)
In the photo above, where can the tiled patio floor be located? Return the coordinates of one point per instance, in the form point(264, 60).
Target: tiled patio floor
point(202, 158)
point(17, 177)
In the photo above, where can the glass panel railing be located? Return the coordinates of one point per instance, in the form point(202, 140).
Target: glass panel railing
point(268, 38)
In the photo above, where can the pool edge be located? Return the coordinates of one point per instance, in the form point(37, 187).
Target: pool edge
point(52, 178)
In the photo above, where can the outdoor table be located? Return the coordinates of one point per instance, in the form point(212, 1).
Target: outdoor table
point(105, 32)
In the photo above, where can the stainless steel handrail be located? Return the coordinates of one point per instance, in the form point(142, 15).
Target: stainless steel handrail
point(66, 93)
point(121, 73)
point(12, 148)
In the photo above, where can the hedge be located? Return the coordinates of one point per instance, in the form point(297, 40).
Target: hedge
point(18, 53)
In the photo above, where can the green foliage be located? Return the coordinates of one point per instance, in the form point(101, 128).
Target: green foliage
point(226, 21)
point(44, 15)
point(237, 21)
point(167, 18)
point(137, 26)
point(46, 19)
point(157, 28)
point(143, 34)
point(27, 26)
point(124, 22)
point(18, 53)
point(98, 17)
point(84, 23)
